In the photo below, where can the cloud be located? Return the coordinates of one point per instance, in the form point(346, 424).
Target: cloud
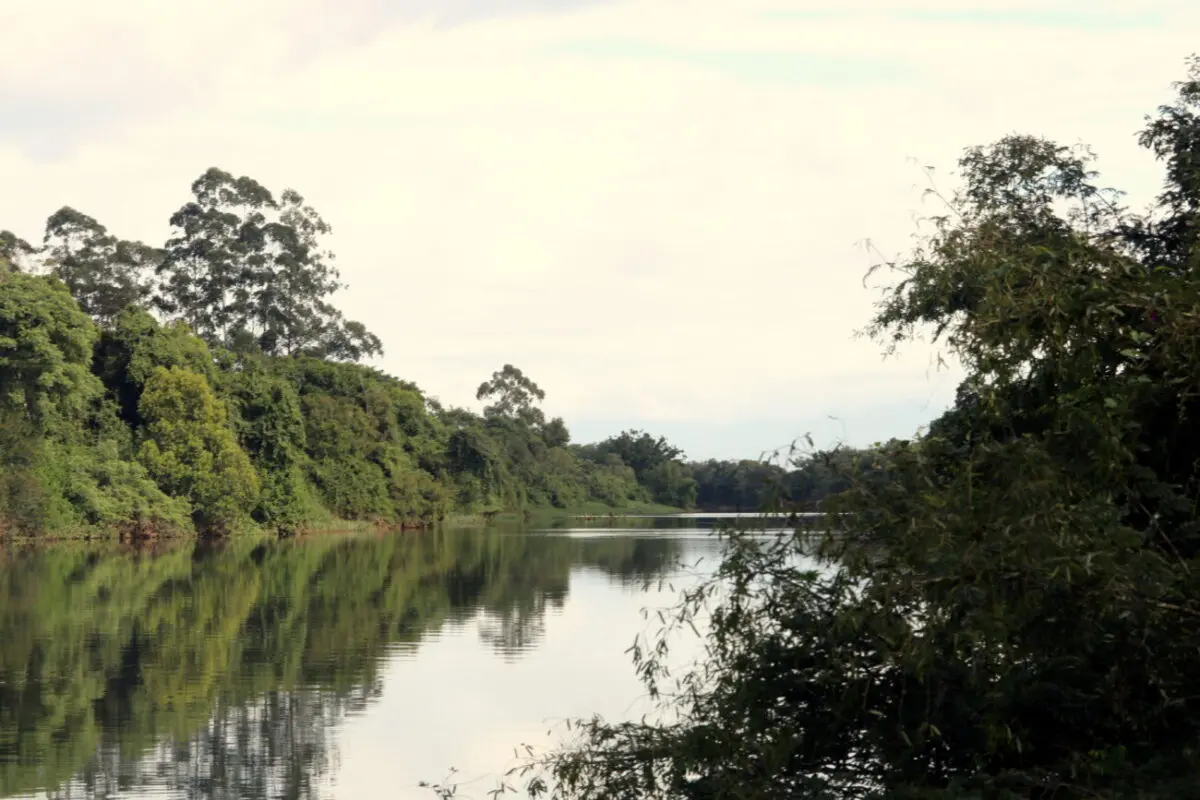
point(1045, 15)
point(671, 234)
point(765, 66)
point(453, 13)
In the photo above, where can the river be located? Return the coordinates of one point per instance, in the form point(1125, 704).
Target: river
point(331, 666)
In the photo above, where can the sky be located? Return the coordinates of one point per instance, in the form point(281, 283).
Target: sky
point(656, 209)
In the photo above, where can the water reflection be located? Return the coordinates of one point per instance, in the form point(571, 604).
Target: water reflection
point(215, 672)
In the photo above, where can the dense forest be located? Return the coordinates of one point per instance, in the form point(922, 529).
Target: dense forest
point(209, 385)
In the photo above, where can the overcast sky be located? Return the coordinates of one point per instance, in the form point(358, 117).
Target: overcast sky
point(655, 208)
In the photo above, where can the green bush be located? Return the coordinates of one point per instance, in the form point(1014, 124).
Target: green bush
point(45, 352)
point(267, 418)
point(192, 453)
point(128, 353)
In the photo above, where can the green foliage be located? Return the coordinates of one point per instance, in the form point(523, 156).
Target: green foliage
point(656, 463)
point(269, 422)
point(738, 485)
point(13, 250)
point(513, 395)
point(560, 479)
point(611, 481)
point(245, 274)
point(473, 457)
point(765, 485)
point(92, 486)
point(555, 433)
point(514, 458)
point(45, 350)
point(134, 346)
point(372, 446)
point(23, 500)
point(61, 465)
point(191, 452)
point(104, 274)
point(325, 441)
point(671, 483)
point(639, 450)
point(1009, 607)
point(242, 263)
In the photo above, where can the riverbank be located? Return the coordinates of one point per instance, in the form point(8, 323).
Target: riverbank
point(127, 533)
point(535, 513)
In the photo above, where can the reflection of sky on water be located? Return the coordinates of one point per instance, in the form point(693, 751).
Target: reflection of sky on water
point(446, 706)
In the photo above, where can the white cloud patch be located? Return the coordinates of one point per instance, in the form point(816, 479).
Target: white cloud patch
point(659, 231)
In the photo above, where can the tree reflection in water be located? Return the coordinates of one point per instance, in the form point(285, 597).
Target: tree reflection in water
point(218, 672)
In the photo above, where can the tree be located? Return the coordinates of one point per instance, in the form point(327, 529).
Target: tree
point(45, 349)
point(104, 274)
point(555, 433)
point(671, 483)
point(738, 485)
point(372, 450)
point(657, 463)
point(1012, 611)
point(242, 262)
point(134, 345)
point(270, 427)
point(613, 482)
point(61, 464)
point(512, 395)
point(640, 450)
point(191, 452)
point(13, 249)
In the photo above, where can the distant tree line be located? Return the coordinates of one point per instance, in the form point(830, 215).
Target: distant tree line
point(799, 484)
point(209, 385)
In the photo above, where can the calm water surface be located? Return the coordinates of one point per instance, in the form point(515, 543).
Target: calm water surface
point(338, 666)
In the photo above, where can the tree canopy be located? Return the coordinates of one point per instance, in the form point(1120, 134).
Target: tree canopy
point(511, 394)
point(45, 348)
point(104, 274)
point(13, 249)
point(242, 264)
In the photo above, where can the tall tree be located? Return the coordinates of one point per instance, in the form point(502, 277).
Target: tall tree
point(241, 263)
point(13, 249)
point(512, 394)
point(190, 451)
point(657, 463)
point(104, 274)
point(640, 450)
point(45, 349)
